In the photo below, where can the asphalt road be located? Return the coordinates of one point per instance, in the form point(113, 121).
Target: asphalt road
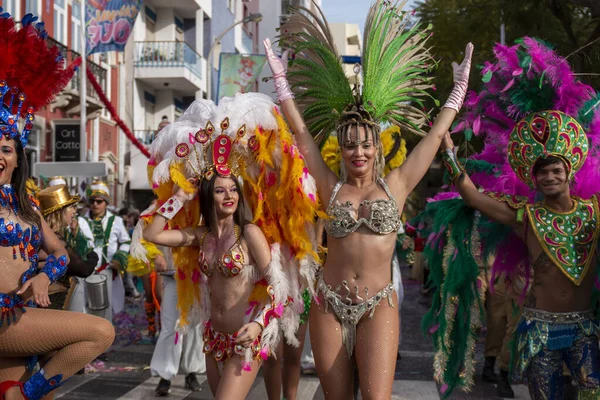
point(125, 375)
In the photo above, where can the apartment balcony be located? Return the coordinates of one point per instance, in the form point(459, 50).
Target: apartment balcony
point(70, 97)
point(183, 7)
point(169, 64)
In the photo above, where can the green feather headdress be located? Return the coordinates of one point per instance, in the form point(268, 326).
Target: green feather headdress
point(396, 66)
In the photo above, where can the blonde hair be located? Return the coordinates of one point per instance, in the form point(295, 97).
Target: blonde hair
point(56, 220)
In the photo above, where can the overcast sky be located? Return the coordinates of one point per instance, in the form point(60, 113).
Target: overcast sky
point(352, 11)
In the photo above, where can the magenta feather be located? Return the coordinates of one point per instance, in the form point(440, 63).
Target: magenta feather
point(524, 72)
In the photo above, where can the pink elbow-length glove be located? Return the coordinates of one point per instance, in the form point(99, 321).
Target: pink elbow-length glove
point(461, 81)
point(278, 66)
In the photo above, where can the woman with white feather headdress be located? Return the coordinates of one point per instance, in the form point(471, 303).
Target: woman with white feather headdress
point(239, 206)
point(363, 207)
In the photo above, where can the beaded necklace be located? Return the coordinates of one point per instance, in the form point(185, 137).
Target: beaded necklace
point(8, 198)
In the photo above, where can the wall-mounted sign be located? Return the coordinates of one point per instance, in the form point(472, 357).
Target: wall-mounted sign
point(67, 141)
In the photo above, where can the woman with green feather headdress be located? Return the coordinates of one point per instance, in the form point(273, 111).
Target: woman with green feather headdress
point(356, 281)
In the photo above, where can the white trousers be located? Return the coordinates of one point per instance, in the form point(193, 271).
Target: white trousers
point(116, 297)
point(188, 350)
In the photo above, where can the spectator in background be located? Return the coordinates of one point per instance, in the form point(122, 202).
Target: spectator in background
point(111, 243)
point(132, 220)
point(163, 122)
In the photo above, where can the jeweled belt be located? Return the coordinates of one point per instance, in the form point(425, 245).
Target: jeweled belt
point(531, 314)
point(8, 304)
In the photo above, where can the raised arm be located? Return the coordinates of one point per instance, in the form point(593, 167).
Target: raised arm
point(493, 209)
point(405, 178)
point(324, 177)
point(156, 233)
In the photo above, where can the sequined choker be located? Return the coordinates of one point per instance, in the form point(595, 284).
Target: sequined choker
point(8, 198)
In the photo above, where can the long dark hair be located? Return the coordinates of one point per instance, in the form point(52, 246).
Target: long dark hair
point(19, 182)
point(207, 204)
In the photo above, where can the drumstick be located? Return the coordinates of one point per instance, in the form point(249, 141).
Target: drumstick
point(73, 282)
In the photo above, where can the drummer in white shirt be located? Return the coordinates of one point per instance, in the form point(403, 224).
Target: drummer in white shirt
point(111, 242)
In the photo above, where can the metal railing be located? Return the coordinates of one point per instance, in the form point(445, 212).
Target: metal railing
point(167, 54)
point(70, 56)
point(145, 136)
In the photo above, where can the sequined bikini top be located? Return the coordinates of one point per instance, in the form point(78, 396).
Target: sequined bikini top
point(12, 234)
point(230, 263)
point(384, 217)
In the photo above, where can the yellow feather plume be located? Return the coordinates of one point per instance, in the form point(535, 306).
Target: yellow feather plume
point(388, 140)
point(332, 154)
point(32, 188)
point(276, 196)
point(138, 267)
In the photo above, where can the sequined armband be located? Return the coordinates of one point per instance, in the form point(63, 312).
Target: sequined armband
point(55, 268)
point(452, 165)
point(170, 208)
point(514, 202)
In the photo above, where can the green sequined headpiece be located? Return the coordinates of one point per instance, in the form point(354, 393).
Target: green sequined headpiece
point(395, 67)
point(544, 134)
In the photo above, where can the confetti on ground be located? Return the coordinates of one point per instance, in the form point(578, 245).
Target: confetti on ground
point(131, 326)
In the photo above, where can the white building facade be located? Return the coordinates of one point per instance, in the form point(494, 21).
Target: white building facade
point(165, 72)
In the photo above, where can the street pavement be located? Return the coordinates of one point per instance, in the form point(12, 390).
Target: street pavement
point(126, 375)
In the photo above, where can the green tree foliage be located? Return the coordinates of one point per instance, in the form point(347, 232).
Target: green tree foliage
point(568, 25)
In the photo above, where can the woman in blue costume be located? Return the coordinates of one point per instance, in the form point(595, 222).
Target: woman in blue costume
point(30, 74)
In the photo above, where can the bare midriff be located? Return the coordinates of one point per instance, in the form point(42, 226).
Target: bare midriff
point(362, 259)
point(11, 269)
point(551, 290)
point(229, 301)
point(229, 294)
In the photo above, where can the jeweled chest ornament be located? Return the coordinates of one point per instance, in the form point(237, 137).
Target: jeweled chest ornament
point(26, 240)
point(569, 239)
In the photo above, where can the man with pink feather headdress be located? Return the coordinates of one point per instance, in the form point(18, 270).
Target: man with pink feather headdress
point(532, 200)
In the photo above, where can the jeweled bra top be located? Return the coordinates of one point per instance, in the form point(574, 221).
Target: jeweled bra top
point(24, 241)
point(384, 216)
point(230, 263)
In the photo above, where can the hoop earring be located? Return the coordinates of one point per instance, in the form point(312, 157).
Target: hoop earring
point(379, 164)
